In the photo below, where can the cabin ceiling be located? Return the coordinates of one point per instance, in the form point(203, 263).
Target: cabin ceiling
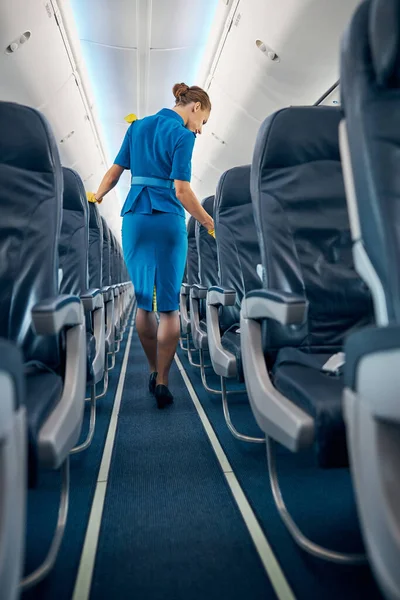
point(102, 59)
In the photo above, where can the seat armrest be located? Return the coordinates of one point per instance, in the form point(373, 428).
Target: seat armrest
point(283, 307)
point(92, 299)
point(107, 293)
point(276, 415)
point(223, 361)
point(183, 309)
point(185, 289)
point(52, 315)
point(198, 291)
point(199, 336)
point(218, 296)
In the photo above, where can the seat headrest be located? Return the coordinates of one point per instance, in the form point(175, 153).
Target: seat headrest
point(233, 188)
point(208, 205)
point(384, 36)
point(370, 49)
point(297, 135)
point(191, 227)
point(26, 140)
point(74, 197)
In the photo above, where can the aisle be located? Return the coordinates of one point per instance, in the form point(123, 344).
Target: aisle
point(170, 528)
point(320, 500)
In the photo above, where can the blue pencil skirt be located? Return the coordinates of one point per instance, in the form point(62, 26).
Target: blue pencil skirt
point(155, 250)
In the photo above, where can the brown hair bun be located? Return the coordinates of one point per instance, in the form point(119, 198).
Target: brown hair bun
point(186, 95)
point(180, 89)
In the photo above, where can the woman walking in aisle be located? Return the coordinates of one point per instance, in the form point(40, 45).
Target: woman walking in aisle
point(158, 151)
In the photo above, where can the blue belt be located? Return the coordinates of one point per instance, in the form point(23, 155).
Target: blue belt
point(153, 182)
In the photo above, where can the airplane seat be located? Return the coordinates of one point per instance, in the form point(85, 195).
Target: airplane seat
point(370, 148)
point(49, 328)
point(73, 251)
point(115, 286)
point(108, 293)
point(13, 469)
point(293, 330)
point(191, 278)
point(207, 275)
point(238, 256)
point(106, 275)
point(96, 260)
point(192, 254)
point(75, 265)
point(95, 248)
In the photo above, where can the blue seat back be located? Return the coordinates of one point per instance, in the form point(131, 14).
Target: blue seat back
point(237, 245)
point(303, 227)
point(113, 268)
point(106, 271)
point(370, 73)
point(95, 247)
point(207, 249)
point(74, 238)
point(192, 264)
point(31, 185)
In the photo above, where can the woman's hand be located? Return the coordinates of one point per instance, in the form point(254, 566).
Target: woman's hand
point(208, 223)
point(91, 197)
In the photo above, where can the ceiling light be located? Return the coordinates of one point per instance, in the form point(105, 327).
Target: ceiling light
point(19, 41)
point(272, 55)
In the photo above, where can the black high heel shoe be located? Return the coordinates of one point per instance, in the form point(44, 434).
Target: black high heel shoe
point(163, 396)
point(153, 383)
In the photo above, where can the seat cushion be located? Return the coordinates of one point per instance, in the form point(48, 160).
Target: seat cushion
point(299, 377)
point(231, 342)
point(43, 392)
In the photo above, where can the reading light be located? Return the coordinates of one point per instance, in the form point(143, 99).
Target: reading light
point(268, 51)
point(19, 41)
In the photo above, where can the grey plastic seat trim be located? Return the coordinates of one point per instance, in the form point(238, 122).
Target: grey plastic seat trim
point(257, 307)
point(275, 414)
point(374, 450)
point(183, 312)
point(199, 336)
point(223, 362)
point(13, 475)
point(362, 262)
point(61, 430)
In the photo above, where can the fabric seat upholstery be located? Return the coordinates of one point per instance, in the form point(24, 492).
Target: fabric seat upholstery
point(299, 376)
point(237, 250)
point(74, 249)
point(95, 248)
point(306, 249)
point(31, 183)
point(192, 263)
point(43, 392)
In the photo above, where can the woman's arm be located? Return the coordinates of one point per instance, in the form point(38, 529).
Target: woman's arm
point(186, 196)
point(109, 181)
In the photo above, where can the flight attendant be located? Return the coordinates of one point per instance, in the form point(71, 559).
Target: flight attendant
point(158, 151)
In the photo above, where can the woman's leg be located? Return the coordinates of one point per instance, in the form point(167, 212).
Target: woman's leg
point(167, 341)
point(146, 325)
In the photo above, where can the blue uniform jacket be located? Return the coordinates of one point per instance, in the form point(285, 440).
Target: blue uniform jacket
point(156, 146)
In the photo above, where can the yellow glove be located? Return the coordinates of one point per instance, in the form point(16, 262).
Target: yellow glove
point(92, 198)
point(212, 233)
point(130, 118)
